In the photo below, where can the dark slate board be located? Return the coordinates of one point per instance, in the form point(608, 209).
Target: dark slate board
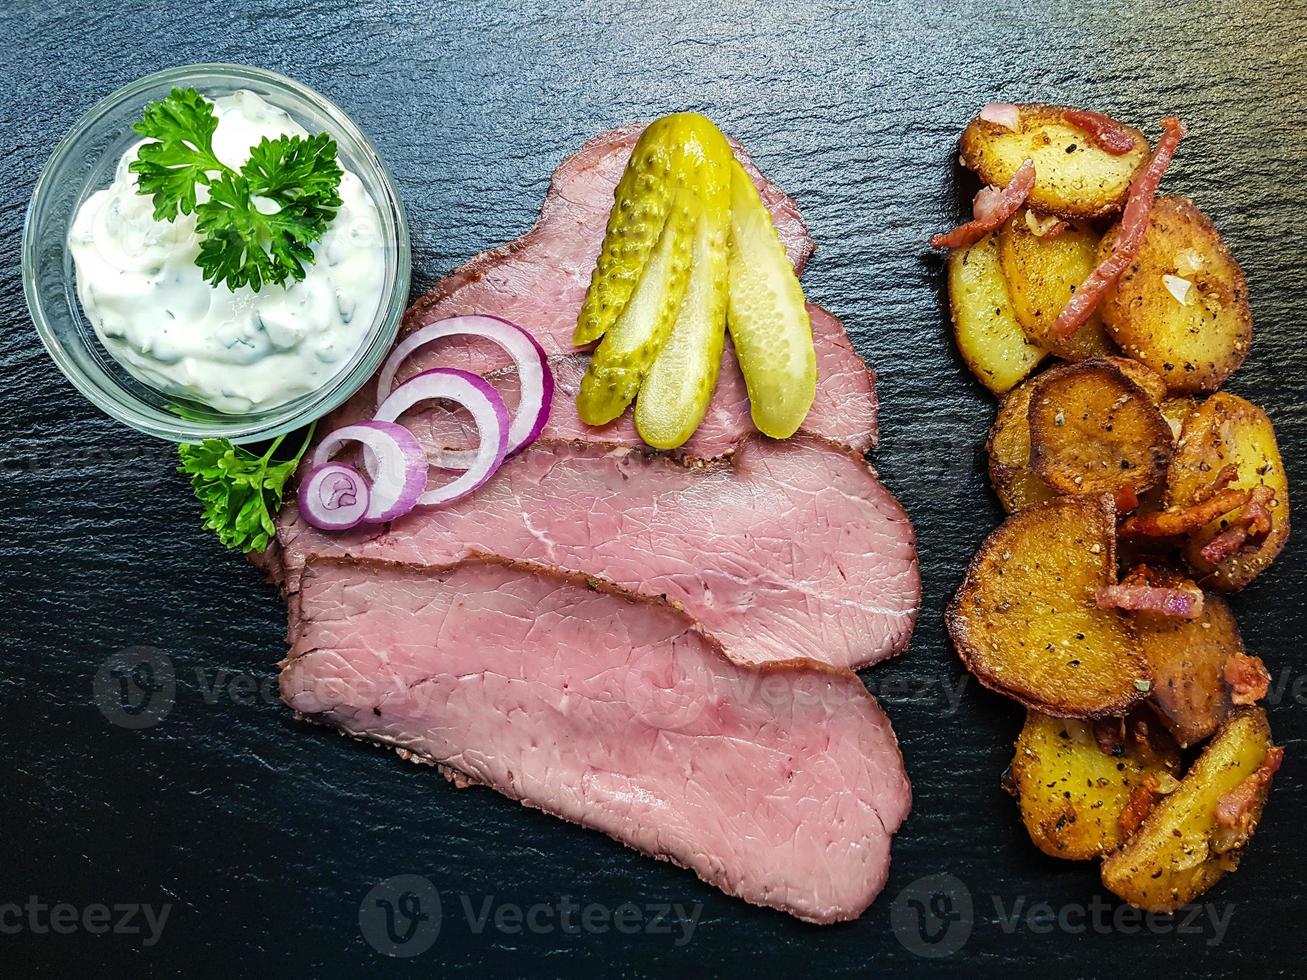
point(265, 835)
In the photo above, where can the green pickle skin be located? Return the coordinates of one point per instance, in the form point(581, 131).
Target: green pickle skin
point(690, 253)
point(641, 204)
point(767, 317)
point(675, 394)
point(628, 349)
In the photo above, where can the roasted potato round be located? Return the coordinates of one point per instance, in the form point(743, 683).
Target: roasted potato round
point(1015, 483)
point(1181, 307)
point(1187, 659)
point(988, 335)
point(1093, 430)
point(1228, 430)
point(1197, 834)
point(1074, 178)
point(1026, 619)
point(1042, 273)
point(1072, 789)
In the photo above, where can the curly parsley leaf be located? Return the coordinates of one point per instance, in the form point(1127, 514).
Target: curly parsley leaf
point(182, 157)
point(241, 492)
point(257, 226)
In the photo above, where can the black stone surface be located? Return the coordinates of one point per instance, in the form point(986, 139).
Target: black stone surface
point(264, 835)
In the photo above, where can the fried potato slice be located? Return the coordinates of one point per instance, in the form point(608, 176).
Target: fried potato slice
point(1026, 620)
point(1194, 342)
point(1187, 658)
point(1042, 273)
point(1008, 446)
point(988, 335)
point(1144, 376)
point(1228, 430)
point(1093, 430)
point(1074, 177)
point(1196, 835)
point(1073, 787)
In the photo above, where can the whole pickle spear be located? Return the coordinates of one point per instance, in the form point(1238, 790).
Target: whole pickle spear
point(641, 203)
point(679, 386)
point(626, 353)
point(767, 317)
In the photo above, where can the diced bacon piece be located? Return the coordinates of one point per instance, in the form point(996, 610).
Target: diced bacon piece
point(990, 209)
point(1134, 222)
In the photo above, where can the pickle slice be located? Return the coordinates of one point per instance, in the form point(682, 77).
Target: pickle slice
point(679, 386)
point(665, 156)
point(629, 347)
point(767, 317)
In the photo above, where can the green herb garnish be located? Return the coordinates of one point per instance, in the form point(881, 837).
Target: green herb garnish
point(241, 492)
point(257, 225)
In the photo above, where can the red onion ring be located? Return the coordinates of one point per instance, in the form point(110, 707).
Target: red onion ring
point(535, 377)
point(476, 395)
point(334, 497)
point(395, 461)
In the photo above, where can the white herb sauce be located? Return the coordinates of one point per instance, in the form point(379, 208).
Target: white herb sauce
point(241, 351)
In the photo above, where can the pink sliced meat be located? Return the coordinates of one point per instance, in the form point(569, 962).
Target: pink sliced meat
point(789, 549)
point(539, 281)
point(780, 784)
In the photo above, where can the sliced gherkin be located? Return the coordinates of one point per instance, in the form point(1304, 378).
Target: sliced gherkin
point(629, 347)
point(679, 386)
point(767, 317)
point(664, 160)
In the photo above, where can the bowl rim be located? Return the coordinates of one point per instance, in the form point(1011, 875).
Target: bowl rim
point(243, 428)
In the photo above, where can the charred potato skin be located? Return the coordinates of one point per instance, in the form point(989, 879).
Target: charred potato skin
point(1008, 448)
point(1071, 792)
point(1178, 853)
point(1086, 182)
point(1227, 429)
point(1042, 274)
point(1073, 689)
point(1194, 346)
point(988, 335)
point(1081, 442)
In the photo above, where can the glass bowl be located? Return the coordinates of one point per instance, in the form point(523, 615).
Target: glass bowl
point(84, 162)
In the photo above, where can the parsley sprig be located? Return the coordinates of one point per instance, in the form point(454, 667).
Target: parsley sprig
point(258, 224)
point(241, 492)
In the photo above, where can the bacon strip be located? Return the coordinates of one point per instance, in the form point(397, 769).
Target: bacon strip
point(1134, 222)
point(1181, 520)
point(1254, 522)
point(1126, 499)
point(1248, 678)
point(990, 209)
point(1235, 808)
point(1138, 807)
point(1108, 134)
point(1162, 600)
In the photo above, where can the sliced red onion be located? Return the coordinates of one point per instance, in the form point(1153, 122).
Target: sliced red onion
point(334, 497)
point(395, 461)
point(488, 412)
point(535, 378)
point(1004, 114)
